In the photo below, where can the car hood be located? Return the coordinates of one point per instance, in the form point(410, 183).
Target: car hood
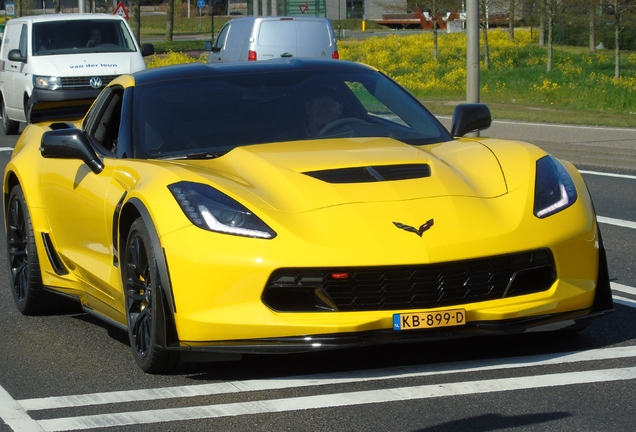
point(304, 176)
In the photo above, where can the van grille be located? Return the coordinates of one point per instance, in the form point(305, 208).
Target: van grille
point(83, 82)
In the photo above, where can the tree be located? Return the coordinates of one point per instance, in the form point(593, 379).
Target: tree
point(170, 21)
point(543, 9)
point(435, 7)
point(511, 21)
point(550, 12)
point(137, 19)
point(592, 12)
point(622, 10)
point(483, 11)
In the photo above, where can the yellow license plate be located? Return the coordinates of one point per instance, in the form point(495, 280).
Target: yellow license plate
point(420, 320)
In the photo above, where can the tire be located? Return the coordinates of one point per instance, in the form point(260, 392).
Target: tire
point(9, 127)
point(144, 303)
point(24, 265)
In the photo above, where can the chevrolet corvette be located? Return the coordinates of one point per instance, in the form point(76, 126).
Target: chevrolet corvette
point(202, 210)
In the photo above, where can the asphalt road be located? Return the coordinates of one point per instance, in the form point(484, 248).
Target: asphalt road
point(72, 372)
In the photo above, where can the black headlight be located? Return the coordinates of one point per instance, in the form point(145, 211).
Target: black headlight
point(554, 189)
point(212, 210)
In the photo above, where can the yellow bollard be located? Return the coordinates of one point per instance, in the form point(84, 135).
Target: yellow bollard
point(364, 25)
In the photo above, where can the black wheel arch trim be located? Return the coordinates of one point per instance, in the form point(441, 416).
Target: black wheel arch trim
point(163, 276)
point(603, 295)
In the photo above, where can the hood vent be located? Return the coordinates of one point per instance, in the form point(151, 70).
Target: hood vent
point(372, 173)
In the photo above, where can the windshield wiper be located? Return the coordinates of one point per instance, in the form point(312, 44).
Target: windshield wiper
point(197, 155)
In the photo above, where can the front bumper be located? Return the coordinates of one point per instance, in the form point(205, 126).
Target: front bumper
point(603, 304)
point(49, 105)
point(300, 344)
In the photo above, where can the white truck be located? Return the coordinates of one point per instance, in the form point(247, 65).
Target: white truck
point(54, 66)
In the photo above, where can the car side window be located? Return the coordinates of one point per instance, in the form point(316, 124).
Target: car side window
point(103, 126)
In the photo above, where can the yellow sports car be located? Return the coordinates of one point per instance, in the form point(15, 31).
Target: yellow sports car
point(290, 206)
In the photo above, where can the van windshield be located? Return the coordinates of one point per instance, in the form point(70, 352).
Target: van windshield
point(81, 36)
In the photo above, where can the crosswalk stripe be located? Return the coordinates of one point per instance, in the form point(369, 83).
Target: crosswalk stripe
point(337, 400)
point(325, 379)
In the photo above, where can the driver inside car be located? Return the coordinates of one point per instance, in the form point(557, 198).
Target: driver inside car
point(322, 107)
point(321, 110)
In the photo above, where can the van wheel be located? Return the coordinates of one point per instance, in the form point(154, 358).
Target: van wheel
point(10, 127)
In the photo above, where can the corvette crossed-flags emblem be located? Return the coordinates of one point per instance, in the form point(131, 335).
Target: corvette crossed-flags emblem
point(419, 231)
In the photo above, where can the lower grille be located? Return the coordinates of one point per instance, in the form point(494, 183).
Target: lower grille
point(410, 287)
point(83, 82)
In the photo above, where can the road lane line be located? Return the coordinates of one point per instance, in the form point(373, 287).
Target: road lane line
point(15, 416)
point(606, 174)
point(624, 301)
point(326, 379)
point(338, 400)
point(623, 288)
point(616, 222)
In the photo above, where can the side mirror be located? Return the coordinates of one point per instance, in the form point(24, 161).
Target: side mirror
point(70, 144)
point(207, 45)
point(470, 118)
point(147, 50)
point(16, 55)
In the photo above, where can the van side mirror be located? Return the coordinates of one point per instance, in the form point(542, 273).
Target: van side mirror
point(147, 50)
point(16, 55)
point(207, 45)
point(471, 117)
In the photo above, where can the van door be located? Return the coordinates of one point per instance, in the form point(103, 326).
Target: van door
point(276, 38)
point(14, 77)
point(230, 43)
point(216, 55)
point(315, 39)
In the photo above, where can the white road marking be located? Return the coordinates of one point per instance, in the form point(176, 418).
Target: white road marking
point(625, 301)
point(15, 413)
point(605, 174)
point(15, 416)
point(623, 288)
point(616, 222)
point(338, 399)
point(324, 379)
point(6, 149)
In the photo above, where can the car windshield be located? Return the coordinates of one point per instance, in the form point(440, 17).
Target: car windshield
point(81, 36)
point(209, 117)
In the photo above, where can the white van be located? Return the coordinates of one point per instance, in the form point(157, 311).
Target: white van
point(54, 66)
point(266, 38)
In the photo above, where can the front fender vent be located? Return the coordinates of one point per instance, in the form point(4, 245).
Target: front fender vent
point(372, 173)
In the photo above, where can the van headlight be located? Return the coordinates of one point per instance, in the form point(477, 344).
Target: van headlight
point(212, 210)
point(47, 82)
point(554, 189)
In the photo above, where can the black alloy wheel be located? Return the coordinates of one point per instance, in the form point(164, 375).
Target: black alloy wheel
point(24, 266)
point(144, 303)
